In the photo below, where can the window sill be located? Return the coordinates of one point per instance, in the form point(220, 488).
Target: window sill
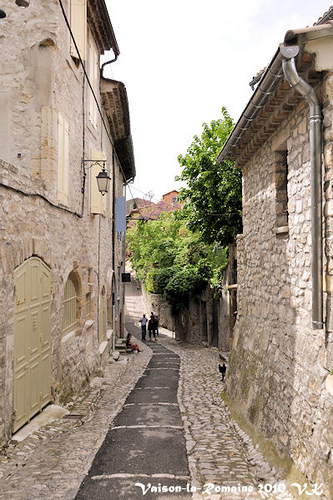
point(72, 333)
point(281, 230)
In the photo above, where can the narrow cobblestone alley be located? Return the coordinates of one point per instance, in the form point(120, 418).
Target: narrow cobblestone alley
point(219, 461)
point(146, 445)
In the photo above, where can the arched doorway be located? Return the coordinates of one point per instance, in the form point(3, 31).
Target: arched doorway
point(32, 340)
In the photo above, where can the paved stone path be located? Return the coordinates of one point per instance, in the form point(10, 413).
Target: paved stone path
point(53, 462)
point(145, 445)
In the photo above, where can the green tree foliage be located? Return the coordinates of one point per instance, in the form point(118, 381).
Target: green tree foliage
point(213, 196)
point(171, 260)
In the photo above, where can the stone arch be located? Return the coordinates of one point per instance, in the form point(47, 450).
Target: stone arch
point(72, 302)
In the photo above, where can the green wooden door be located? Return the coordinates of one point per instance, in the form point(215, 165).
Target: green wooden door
point(32, 340)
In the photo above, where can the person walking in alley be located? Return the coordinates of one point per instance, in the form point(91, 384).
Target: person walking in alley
point(143, 322)
point(157, 320)
point(151, 326)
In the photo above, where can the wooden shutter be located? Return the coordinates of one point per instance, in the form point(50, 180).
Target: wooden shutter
point(63, 159)
point(79, 27)
point(97, 201)
point(93, 77)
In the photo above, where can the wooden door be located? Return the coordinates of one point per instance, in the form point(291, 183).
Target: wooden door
point(32, 340)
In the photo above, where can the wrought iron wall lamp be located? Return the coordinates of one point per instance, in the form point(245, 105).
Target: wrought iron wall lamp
point(103, 178)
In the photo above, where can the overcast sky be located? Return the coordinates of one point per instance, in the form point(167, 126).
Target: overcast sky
point(183, 60)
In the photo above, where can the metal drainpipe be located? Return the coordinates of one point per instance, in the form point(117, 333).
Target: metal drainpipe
point(315, 120)
point(106, 63)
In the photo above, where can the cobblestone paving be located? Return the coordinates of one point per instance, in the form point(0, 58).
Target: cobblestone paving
point(51, 463)
point(219, 452)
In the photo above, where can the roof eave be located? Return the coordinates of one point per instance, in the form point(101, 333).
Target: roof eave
point(268, 82)
point(272, 74)
point(101, 26)
point(116, 106)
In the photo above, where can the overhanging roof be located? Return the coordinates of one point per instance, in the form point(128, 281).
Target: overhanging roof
point(100, 24)
point(273, 98)
point(116, 106)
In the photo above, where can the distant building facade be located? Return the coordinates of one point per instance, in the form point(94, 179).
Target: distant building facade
point(61, 298)
point(171, 198)
point(139, 209)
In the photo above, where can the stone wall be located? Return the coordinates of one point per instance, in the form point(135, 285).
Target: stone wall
point(39, 81)
point(155, 303)
point(278, 364)
point(207, 319)
point(227, 303)
point(195, 324)
point(66, 243)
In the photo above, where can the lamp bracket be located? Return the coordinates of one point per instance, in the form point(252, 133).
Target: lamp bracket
point(100, 163)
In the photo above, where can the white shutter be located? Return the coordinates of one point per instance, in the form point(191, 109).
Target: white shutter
point(63, 159)
point(97, 201)
point(79, 27)
point(93, 77)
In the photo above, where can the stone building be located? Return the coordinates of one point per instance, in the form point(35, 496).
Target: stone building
point(62, 243)
point(280, 371)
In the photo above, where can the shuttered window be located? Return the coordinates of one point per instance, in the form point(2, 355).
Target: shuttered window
point(63, 159)
point(97, 201)
point(281, 186)
point(79, 27)
point(70, 312)
point(93, 65)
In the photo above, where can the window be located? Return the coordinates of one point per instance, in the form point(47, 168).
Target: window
point(79, 28)
point(63, 159)
point(88, 306)
point(70, 307)
point(93, 67)
point(281, 190)
point(97, 201)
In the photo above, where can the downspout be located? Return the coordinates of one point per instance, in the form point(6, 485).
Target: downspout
point(114, 306)
point(315, 121)
point(108, 62)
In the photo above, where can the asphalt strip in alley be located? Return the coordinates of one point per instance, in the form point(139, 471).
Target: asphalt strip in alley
point(143, 455)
